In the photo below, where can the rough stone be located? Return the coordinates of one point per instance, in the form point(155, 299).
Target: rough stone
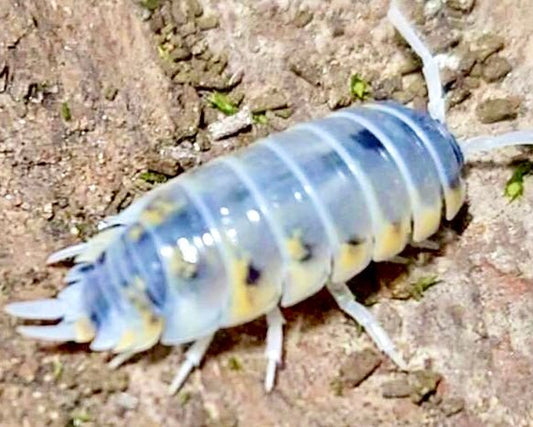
point(497, 110)
point(487, 45)
point(464, 6)
point(358, 366)
point(271, 100)
point(496, 68)
point(396, 389)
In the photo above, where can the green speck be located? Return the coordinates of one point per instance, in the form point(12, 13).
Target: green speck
point(78, 418)
point(184, 397)
point(423, 284)
point(284, 113)
point(234, 364)
point(57, 369)
point(223, 103)
point(65, 112)
point(153, 177)
point(260, 118)
point(163, 50)
point(151, 5)
point(110, 93)
point(337, 387)
point(515, 185)
point(359, 87)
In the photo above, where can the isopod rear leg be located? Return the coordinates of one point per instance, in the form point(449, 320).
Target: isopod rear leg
point(346, 301)
point(193, 358)
point(274, 345)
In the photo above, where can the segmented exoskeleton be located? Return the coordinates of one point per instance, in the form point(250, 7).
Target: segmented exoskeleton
point(267, 226)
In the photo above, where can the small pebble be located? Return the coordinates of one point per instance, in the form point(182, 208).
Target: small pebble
point(385, 88)
point(464, 6)
point(396, 389)
point(231, 125)
point(496, 68)
point(424, 383)
point(358, 367)
point(302, 18)
point(272, 100)
point(127, 401)
point(487, 45)
point(452, 405)
point(497, 110)
point(457, 96)
point(309, 72)
point(207, 22)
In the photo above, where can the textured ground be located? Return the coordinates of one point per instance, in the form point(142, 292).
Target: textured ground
point(88, 105)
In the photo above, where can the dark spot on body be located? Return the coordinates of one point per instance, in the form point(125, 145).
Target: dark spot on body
point(355, 241)
point(308, 253)
point(253, 275)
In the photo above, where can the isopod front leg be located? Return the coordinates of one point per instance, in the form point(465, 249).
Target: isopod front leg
point(274, 345)
point(193, 358)
point(346, 301)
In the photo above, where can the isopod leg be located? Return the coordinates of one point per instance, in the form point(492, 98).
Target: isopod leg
point(274, 345)
point(430, 68)
point(193, 357)
point(120, 358)
point(346, 301)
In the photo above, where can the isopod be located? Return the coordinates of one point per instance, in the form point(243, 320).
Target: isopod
point(265, 227)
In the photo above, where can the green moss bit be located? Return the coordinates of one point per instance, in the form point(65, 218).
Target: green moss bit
point(110, 93)
point(515, 185)
point(260, 118)
point(57, 369)
point(223, 103)
point(184, 397)
point(65, 112)
point(234, 364)
point(151, 5)
point(337, 387)
point(359, 87)
point(163, 50)
point(153, 177)
point(422, 285)
point(78, 418)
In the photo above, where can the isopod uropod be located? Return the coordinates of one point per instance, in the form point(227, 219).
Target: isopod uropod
point(267, 226)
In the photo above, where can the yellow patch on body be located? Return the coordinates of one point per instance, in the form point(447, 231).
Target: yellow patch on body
point(303, 281)
point(427, 223)
point(352, 258)
point(147, 326)
point(158, 211)
point(454, 198)
point(135, 232)
point(391, 241)
point(296, 248)
point(84, 330)
point(248, 300)
point(143, 337)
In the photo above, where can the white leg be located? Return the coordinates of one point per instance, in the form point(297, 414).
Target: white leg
point(193, 357)
point(398, 260)
point(120, 358)
point(364, 317)
point(274, 345)
point(429, 245)
point(430, 68)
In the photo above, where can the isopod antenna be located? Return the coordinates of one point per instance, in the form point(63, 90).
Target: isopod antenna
point(489, 142)
point(436, 105)
point(430, 69)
